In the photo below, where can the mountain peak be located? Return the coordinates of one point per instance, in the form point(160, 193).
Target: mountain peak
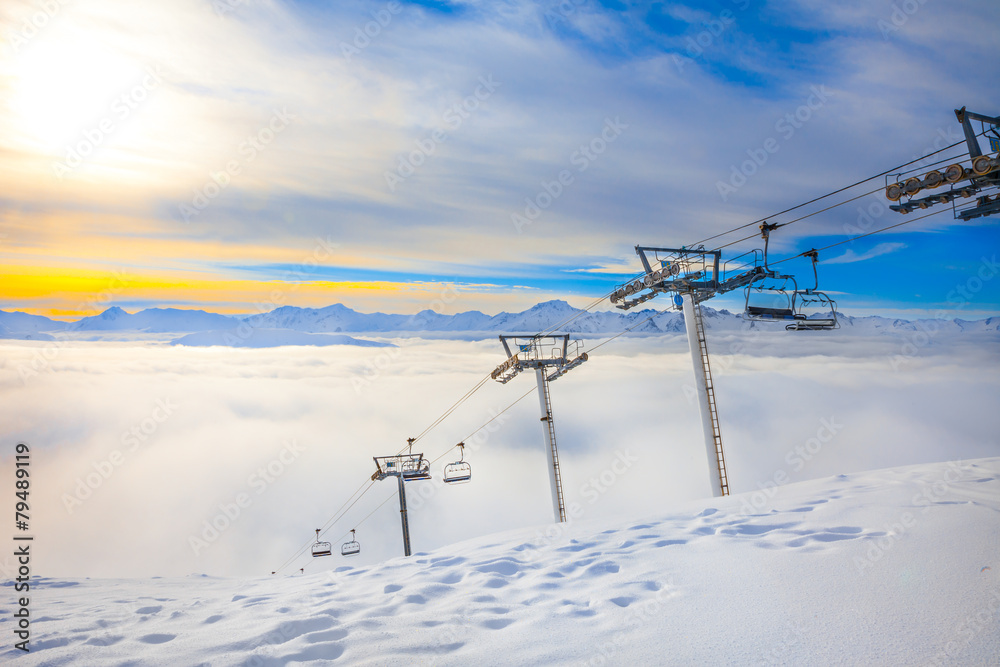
point(113, 313)
point(557, 304)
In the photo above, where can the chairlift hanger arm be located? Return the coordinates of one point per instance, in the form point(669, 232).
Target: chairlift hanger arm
point(970, 135)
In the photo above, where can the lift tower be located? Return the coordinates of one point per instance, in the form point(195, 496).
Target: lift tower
point(551, 357)
point(407, 467)
point(693, 275)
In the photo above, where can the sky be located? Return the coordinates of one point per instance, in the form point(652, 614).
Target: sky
point(239, 155)
point(157, 460)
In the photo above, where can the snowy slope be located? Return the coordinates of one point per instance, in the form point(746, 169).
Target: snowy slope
point(893, 567)
point(270, 338)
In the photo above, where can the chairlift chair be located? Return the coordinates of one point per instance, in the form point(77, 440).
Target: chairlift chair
point(814, 310)
point(416, 469)
point(352, 548)
point(771, 298)
point(458, 472)
point(413, 467)
point(321, 548)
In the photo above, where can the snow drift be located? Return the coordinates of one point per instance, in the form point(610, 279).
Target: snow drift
point(897, 566)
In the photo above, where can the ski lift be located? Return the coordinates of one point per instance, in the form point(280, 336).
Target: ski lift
point(321, 548)
point(771, 296)
point(414, 467)
point(352, 548)
point(458, 472)
point(814, 310)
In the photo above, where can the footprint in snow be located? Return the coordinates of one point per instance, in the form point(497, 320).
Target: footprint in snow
point(504, 567)
point(451, 578)
point(667, 543)
point(623, 601)
point(326, 636)
point(605, 567)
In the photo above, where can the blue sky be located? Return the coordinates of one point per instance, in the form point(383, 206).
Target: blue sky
point(228, 142)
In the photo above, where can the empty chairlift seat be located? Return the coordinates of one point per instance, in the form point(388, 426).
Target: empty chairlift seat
point(458, 472)
point(321, 548)
point(351, 548)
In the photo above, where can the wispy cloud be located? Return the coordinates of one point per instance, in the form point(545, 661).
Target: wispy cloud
point(850, 256)
point(370, 92)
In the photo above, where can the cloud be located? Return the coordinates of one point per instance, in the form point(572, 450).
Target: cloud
point(138, 448)
point(849, 257)
point(409, 101)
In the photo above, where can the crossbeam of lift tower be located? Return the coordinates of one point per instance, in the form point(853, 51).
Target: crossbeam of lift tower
point(692, 275)
point(551, 357)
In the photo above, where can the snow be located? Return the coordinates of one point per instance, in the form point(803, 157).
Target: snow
point(338, 318)
point(896, 566)
point(155, 320)
point(260, 338)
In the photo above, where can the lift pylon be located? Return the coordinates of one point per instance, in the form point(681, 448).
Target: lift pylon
point(694, 275)
point(551, 357)
point(405, 468)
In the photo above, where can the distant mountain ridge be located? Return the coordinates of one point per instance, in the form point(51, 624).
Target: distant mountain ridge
point(338, 318)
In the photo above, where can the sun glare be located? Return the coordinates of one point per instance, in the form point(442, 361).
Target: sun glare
point(65, 85)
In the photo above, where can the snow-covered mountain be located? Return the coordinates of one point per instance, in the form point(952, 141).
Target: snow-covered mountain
point(259, 337)
point(7, 334)
point(15, 322)
point(892, 567)
point(155, 320)
point(549, 315)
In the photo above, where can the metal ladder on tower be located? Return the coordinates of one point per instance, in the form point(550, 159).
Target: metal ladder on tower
point(713, 411)
point(555, 454)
